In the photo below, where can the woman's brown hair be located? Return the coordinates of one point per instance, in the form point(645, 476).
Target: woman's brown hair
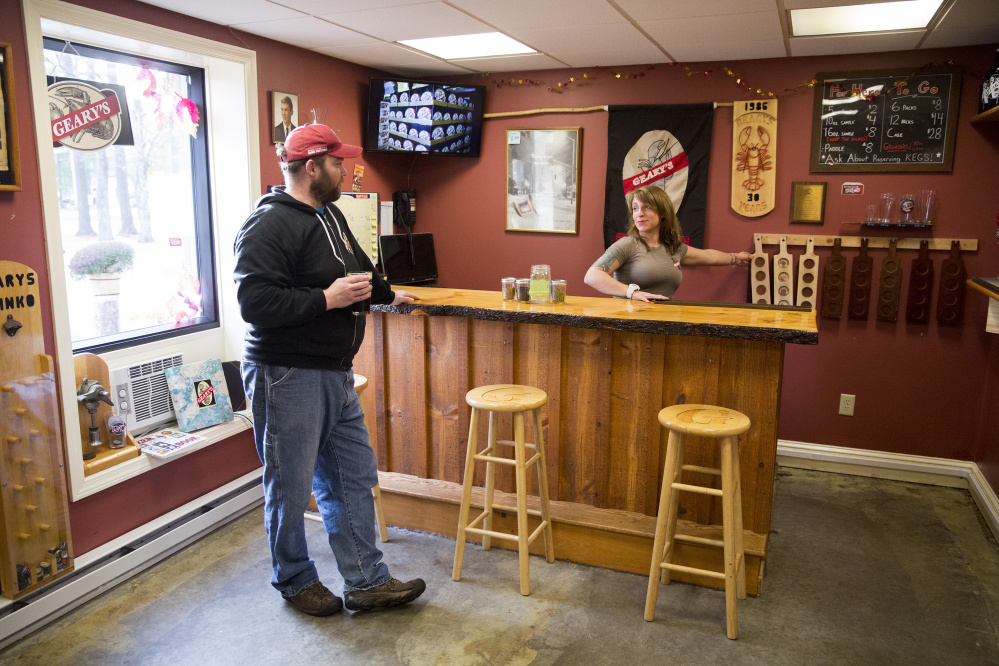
point(669, 226)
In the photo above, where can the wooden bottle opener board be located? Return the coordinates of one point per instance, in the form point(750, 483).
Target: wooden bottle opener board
point(917, 307)
point(760, 277)
point(860, 283)
point(808, 276)
point(950, 302)
point(783, 275)
point(890, 285)
point(834, 283)
point(34, 513)
point(92, 366)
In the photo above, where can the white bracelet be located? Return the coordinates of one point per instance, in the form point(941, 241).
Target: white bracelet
point(735, 258)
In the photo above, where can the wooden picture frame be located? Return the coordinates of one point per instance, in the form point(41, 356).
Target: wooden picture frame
point(10, 165)
point(543, 168)
point(808, 202)
point(280, 102)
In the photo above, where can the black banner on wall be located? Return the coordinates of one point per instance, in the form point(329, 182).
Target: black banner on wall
point(663, 145)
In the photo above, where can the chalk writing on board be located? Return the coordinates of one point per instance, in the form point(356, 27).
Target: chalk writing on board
point(883, 121)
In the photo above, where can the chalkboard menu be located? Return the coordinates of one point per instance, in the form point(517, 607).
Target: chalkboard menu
point(885, 120)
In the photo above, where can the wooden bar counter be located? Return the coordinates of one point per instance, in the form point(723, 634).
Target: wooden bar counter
point(608, 367)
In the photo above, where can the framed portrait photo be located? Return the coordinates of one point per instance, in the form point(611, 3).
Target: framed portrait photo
point(10, 170)
point(284, 115)
point(542, 177)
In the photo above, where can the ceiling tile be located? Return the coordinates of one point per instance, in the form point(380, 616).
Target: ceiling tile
point(971, 14)
point(902, 40)
point(579, 37)
point(657, 10)
point(326, 7)
point(428, 19)
point(980, 34)
point(382, 54)
point(714, 51)
point(225, 12)
point(755, 27)
point(307, 32)
point(512, 63)
point(538, 14)
point(639, 53)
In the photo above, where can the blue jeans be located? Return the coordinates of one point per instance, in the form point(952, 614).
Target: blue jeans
point(309, 430)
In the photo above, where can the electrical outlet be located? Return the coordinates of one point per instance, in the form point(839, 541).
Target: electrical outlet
point(846, 404)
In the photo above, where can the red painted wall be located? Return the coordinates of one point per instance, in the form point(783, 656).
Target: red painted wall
point(920, 389)
point(925, 390)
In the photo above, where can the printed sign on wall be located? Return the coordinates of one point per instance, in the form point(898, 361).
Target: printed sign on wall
point(754, 157)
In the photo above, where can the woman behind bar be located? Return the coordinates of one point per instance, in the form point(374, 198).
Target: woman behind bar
point(645, 265)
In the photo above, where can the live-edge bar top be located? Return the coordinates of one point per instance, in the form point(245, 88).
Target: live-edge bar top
point(618, 314)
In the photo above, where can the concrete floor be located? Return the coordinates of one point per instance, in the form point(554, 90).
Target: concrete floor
point(860, 571)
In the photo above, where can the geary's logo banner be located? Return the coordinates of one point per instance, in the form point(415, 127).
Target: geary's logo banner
point(661, 145)
point(85, 117)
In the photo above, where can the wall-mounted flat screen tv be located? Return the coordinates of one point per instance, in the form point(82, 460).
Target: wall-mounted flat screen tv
point(407, 116)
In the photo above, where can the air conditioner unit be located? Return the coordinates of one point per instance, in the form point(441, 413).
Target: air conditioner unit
point(141, 393)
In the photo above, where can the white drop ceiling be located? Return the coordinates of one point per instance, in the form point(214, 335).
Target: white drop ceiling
point(574, 33)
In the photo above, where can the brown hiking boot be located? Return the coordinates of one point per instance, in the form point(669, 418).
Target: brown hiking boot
point(316, 600)
point(392, 593)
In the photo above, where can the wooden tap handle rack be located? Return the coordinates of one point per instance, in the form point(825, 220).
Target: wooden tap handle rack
point(966, 244)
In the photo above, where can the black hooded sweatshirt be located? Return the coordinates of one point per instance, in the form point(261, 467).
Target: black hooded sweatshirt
point(287, 253)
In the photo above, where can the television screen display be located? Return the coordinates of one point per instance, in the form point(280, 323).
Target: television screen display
point(409, 116)
point(401, 266)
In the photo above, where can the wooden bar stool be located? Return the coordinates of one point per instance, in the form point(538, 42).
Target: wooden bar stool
point(361, 383)
point(516, 399)
point(725, 425)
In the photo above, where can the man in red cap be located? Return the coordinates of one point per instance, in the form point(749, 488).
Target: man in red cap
point(294, 257)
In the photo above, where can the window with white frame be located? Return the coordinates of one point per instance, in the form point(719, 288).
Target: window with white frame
point(203, 210)
point(135, 222)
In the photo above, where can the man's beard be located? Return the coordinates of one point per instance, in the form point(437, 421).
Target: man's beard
point(324, 190)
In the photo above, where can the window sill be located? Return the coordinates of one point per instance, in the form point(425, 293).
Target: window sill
point(95, 483)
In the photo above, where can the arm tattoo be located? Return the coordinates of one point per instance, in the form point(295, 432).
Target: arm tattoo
point(605, 262)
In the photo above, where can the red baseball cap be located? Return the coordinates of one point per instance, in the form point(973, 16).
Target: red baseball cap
point(307, 141)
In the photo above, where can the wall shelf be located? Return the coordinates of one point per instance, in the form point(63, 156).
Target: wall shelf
point(966, 244)
point(990, 116)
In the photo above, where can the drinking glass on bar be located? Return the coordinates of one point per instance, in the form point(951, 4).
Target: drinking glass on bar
point(872, 214)
point(363, 306)
point(887, 211)
point(925, 211)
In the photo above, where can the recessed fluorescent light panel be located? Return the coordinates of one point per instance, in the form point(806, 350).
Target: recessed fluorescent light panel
point(875, 17)
point(481, 45)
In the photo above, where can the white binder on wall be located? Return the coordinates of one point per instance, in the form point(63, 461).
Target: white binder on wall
point(361, 211)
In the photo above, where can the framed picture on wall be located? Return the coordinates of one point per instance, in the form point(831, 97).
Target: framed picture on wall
point(10, 172)
point(284, 114)
point(542, 176)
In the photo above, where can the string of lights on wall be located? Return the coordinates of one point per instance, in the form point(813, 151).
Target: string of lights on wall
point(593, 72)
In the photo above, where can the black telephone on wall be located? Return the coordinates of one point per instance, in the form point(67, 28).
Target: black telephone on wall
point(404, 208)
point(404, 213)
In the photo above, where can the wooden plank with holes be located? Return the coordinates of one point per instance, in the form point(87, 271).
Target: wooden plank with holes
point(783, 276)
point(34, 512)
point(635, 400)
point(759, 273)
point(585, 438)
point(808, 276)
point(405, 393)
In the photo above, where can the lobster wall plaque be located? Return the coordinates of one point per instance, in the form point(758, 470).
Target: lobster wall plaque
point(754, 157)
